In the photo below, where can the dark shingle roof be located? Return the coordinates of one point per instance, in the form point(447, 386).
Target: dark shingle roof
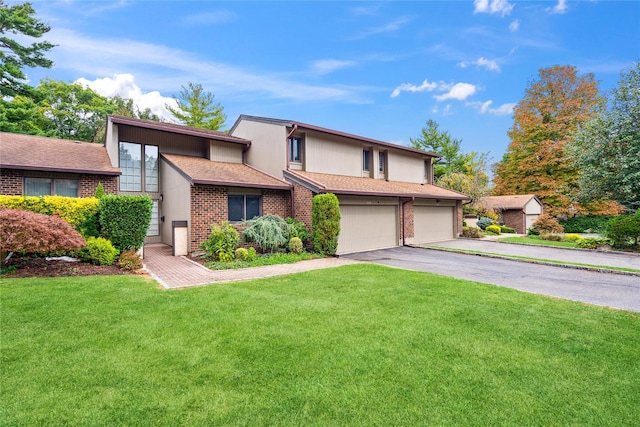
point(341, 184)
point(30, 152)
point(203, 171)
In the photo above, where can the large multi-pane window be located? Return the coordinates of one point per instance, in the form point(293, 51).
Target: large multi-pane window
point(51, 186)
point(243, 207)
point(133, 175)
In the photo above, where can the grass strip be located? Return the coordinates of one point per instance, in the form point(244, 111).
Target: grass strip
point(262, 260)
point(539, 260)
point(537, 241)
point(349, 346)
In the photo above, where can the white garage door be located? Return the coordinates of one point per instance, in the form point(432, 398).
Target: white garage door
point(366, 227)
point(433, 223)
point(531, 218)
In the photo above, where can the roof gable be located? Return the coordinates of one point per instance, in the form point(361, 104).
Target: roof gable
point(29, 152)
point(515, 201)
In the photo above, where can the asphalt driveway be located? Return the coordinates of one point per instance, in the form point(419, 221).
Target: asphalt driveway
point(605, 289)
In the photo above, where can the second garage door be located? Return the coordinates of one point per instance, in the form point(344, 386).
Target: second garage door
point(433, 223)
point(367, 227)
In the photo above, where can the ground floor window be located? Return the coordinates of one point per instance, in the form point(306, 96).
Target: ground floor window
point(243, 207)
point(51, 187)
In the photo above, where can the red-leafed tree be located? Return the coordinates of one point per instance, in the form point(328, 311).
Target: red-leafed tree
point(554, 107)
point(22, 231)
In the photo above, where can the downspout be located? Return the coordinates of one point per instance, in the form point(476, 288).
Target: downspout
point(286, 154)
point(404, 241)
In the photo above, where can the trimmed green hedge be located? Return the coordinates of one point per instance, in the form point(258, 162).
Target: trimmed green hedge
point(125, 220)
point(585, 224)
point(81, 213)
point(325, 217)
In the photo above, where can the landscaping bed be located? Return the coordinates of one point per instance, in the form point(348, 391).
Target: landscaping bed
point(29, 266)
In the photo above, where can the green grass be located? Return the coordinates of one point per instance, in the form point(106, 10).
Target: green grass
point(519, 257)
point(355, 345)
point(535, 240)
point(262, 260)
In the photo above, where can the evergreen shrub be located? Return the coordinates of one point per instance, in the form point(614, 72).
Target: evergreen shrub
point(125, 220)
point(98, 251)
point(493, 229)
point(270, 232)
point(484, 222)
point(505, 229)
point(624, 230)
point(325, 227)
point(222, 242)
point(295, 245)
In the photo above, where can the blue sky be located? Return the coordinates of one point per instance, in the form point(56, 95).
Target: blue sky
point(376, 69)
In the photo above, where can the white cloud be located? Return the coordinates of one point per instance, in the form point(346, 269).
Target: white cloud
point(481, 62)
point(326, 66)
point(459, 91)
point(165, 69)
point(408, 87)
point(485, 108)
point(514, 26)
point(123, 85)
point(503, 7)
point(560, 8)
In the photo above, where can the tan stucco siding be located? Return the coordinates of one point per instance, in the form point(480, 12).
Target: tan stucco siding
point(404, 167)
point(112, 144)
point(268, 145)
point(225, 152)
point(332, 157)
point(533, 207)
point(176, 203)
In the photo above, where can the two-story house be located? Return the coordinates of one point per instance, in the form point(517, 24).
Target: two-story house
point(386, 191)
point(196, 177)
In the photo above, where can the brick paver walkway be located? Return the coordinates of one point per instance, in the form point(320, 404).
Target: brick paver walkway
point(180, 272)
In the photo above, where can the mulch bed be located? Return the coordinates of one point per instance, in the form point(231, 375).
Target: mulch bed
point(40, 267)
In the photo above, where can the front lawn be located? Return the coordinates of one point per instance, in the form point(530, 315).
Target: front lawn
point(355, 345)
point(536, 240)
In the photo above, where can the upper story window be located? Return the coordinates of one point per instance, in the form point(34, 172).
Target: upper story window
point(133, 175)
point(366, 160)
point(243, 207)
point(428, 172)
point(382, 162)
point(295, 149)
point(51, 187)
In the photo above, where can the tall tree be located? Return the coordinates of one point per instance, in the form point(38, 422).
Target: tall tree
point(73, 111)
point(434, 140)
point(607, 148)
point(197, 108)
point(18, 19)
point(553, 108)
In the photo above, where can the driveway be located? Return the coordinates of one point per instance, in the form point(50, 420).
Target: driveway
point(604, 289)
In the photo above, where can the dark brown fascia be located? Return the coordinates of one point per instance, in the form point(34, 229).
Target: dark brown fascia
point(63, 170)
point(185, 130)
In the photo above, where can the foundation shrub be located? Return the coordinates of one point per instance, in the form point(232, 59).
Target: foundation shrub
point(508, 230)
point(484, 222)
point(125, 220)
point(130, 260)
point(493, 229)
point(471, 232)
point(244, 254)
point(98, 251)
point(572, 237)
point(585, 224)
point(222, 242)
point(325, 217)
point(295, 245)
point(298, 229)
point(270, 232)
point(546, 224)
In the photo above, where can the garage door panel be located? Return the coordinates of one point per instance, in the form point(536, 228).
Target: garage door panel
point(366, 227)
point(433, 223)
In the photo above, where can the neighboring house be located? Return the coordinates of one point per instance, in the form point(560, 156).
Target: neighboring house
point(386, 192)
point(516, 211)
point(38, 166)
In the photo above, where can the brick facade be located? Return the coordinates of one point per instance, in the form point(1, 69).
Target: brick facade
point(303, 204)
point(460, 218)
point(407, 220)
point(516, 219)
point(209, 204)
point(11, 182)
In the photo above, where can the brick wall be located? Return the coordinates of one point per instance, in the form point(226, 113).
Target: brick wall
point(515, 219)
point(303, 204)
point(89, 183)
point(460, 217)
point(407, 227)
point(10, 182)
point(209, 204)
